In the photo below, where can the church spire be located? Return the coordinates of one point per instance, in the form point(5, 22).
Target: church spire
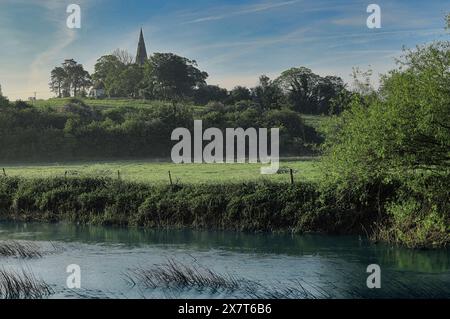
point(141, 55)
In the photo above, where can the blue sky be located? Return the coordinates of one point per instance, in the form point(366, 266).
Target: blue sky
point(234, 41)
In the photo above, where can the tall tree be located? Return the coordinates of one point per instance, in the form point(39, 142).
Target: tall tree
point(268, 94)
point(69, 79)
point(310, 93)
point(106, 70)
point(301, 85)
point(58, 80)
point(239, 93)
point(172, 77)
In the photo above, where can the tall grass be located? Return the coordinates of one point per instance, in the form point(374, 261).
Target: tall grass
point(250, 206)
point(174, 274)
point(19, 249)
point(22, 285)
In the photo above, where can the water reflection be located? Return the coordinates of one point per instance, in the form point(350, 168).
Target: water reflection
point(348, 248)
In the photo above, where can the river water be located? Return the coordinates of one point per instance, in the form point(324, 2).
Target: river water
point(280, 265)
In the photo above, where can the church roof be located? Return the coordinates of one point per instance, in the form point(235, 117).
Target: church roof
point(141, 55)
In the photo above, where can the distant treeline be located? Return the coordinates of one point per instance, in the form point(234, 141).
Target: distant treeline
point(79, 131)
point(169, 77)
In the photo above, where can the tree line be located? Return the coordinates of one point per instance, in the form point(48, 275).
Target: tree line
point(169, 77)
point(77, 131)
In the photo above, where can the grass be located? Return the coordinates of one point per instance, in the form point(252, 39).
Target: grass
point(314, 120)
point(20, 250)
point(243, 206)
point(154, 172)
point(102, 103)
point(22, 285)
point(174, 274)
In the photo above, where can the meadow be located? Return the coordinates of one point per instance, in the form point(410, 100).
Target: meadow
point(141, 171)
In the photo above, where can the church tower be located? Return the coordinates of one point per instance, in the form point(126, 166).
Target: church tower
point(141, 55)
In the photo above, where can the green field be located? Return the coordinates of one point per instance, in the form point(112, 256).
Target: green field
point(102, 103)
point(154, 172)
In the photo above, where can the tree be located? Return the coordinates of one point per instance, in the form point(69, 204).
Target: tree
point(123, 56)
point(239, 93)
point(126, 83)
point(107, 68)
point(70, 79)
point(3, 100)
point(330, 90)
point(208, 93)
point(268, 94)
point(77, 78)
point(58, 80)
point(172, 77)
point(301, 86)
point(362, 83)
point(310, 93)
point(402, 129)
point(397, 141)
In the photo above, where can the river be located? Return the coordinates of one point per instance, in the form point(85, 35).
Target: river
point(272, 265)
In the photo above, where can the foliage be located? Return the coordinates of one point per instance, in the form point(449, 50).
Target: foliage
point(70, 80)
point(233, 206)
point(308, 92)
point(171, 77)
point(77, 130)
point(399, 135)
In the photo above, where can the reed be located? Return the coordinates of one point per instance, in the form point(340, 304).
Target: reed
point(22, 285)
point(174, 274)
point(19, 249)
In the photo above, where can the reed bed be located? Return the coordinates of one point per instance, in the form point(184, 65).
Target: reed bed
point(22, 285)
point(296, 289)
point(174, 274)
point(19, 249)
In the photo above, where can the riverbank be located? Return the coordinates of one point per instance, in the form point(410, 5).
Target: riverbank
point(251, 207)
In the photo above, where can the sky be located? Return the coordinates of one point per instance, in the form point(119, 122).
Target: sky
point(234, 41)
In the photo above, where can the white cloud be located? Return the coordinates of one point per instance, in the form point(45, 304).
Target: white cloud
point(245, 10)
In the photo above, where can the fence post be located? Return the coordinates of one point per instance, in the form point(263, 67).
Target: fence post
point(292, 176)
point(170, 179)
point(4, 172)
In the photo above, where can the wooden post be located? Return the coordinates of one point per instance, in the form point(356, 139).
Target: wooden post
point(118, 175)
point(170, 179)
point(292, 176)
point(65, 175)
point(4, 172)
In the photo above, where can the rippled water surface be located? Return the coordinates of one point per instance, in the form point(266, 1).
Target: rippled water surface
point(288, 266)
